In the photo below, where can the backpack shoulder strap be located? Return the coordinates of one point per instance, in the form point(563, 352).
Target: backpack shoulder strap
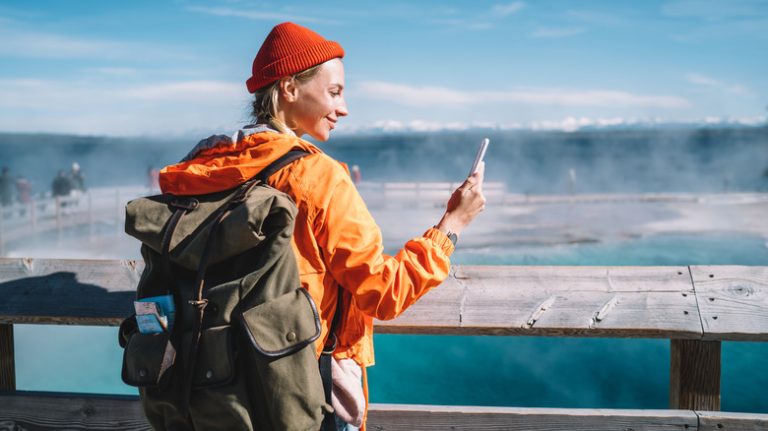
point(280, 163)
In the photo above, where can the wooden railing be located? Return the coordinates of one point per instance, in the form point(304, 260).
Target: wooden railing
point(408, 194)
point(21, 221)
point(695, 307)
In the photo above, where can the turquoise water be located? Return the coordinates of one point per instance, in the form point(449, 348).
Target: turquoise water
point(503, 371)
point(710, 249)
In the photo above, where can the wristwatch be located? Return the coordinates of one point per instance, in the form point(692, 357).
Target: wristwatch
point(450, 234)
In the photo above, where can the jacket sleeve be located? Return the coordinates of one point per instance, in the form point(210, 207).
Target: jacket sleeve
point(382, 286)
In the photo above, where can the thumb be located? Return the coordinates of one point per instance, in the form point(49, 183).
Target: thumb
point(479, 174)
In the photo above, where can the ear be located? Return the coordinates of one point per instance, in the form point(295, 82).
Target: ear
point(288, 89)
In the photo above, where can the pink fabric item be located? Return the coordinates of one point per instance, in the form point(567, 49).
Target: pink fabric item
point(347, 397)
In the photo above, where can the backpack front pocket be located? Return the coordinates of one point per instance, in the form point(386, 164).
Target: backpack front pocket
point(282, 326)
point(215, 363)
point(148, 359)
point(282, 362)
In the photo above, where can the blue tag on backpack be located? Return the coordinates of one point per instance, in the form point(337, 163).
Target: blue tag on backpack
point(155, 314)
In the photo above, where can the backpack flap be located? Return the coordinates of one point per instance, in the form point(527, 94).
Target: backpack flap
point(264, 212)
point(282, 326)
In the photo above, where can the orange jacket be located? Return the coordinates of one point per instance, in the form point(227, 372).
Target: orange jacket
point(336, 241)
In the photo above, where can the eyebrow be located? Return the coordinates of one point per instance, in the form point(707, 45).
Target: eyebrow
point(339, 86)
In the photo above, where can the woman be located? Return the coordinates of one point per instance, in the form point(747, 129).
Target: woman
point(298, 83)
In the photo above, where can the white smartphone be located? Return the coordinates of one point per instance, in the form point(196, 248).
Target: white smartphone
point(480, 155)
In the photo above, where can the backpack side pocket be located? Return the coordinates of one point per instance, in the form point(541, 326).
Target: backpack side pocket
point(148, 359)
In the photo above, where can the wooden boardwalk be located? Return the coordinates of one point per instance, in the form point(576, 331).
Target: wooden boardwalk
point(696, 307)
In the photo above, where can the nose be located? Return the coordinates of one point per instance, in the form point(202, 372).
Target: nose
point(341, 110)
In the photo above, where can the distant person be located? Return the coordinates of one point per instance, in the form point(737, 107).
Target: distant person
point(153, 175)
point(62, 184)
point(23, 193)
point(23, 190)
point(298, 86)
point(77, 178)
point(6, 187)
point(356, 175)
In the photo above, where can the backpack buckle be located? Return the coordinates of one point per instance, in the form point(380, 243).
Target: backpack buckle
point(328, 348)
point(198, 304)
point(188, 204)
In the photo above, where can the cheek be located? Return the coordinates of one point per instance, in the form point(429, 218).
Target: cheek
point(315, 108)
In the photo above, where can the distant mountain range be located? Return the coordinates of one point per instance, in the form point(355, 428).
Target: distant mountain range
point(679, 157)
point(569, 124)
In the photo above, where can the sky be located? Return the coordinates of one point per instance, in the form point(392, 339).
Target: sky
point(178, 67)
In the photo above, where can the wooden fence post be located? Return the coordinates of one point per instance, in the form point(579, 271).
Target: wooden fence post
point(90, 215)
point(118, 214)
point(58, 217)
point(694, 375)
point(7, 362)
point(2, 233)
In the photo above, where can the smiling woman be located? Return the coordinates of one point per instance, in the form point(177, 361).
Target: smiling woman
point(298, 83)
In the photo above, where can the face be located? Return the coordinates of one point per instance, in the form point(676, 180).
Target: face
point(314, 106)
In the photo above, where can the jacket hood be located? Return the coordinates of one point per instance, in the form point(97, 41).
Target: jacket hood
point(222, 164)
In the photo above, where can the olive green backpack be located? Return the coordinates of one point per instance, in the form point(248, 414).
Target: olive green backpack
point(240, 353)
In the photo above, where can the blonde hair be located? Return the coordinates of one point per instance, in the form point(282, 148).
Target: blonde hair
point(266, 100)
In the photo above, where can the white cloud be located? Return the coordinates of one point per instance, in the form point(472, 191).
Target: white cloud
point(185, 91)
point(94, 108)
point(555, 32)
point(36, 93)
point(508, 9)
point(116, 71)
point(596, 18)
point(483, 20)
point(706, 81)
point(739, 89)
point(442, 97)
point(695, 78)
point(715, 10)
point(468, 24)
point(254, 15)
point(30, 44)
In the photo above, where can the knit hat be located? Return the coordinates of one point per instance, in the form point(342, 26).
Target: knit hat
point(290, 48)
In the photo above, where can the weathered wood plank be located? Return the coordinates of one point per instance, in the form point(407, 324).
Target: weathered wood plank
point(652, 302)
point(49, 411)
point(438, 312)
point(558, 301)
point(694, 375)
point(733, 301)
point(7, 359)
point(84, 292)
point(386, 417)
point(719, 421)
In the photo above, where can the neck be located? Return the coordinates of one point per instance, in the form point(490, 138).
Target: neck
point(282, 118)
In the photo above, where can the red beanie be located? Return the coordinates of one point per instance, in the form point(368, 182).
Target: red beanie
point(290, 48)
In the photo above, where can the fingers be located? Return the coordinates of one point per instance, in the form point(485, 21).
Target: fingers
point(480, 172)
point(478, 176)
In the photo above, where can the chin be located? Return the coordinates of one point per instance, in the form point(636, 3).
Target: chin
point(321, 135)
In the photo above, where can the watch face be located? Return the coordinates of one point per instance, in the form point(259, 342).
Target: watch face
point(453, 237)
